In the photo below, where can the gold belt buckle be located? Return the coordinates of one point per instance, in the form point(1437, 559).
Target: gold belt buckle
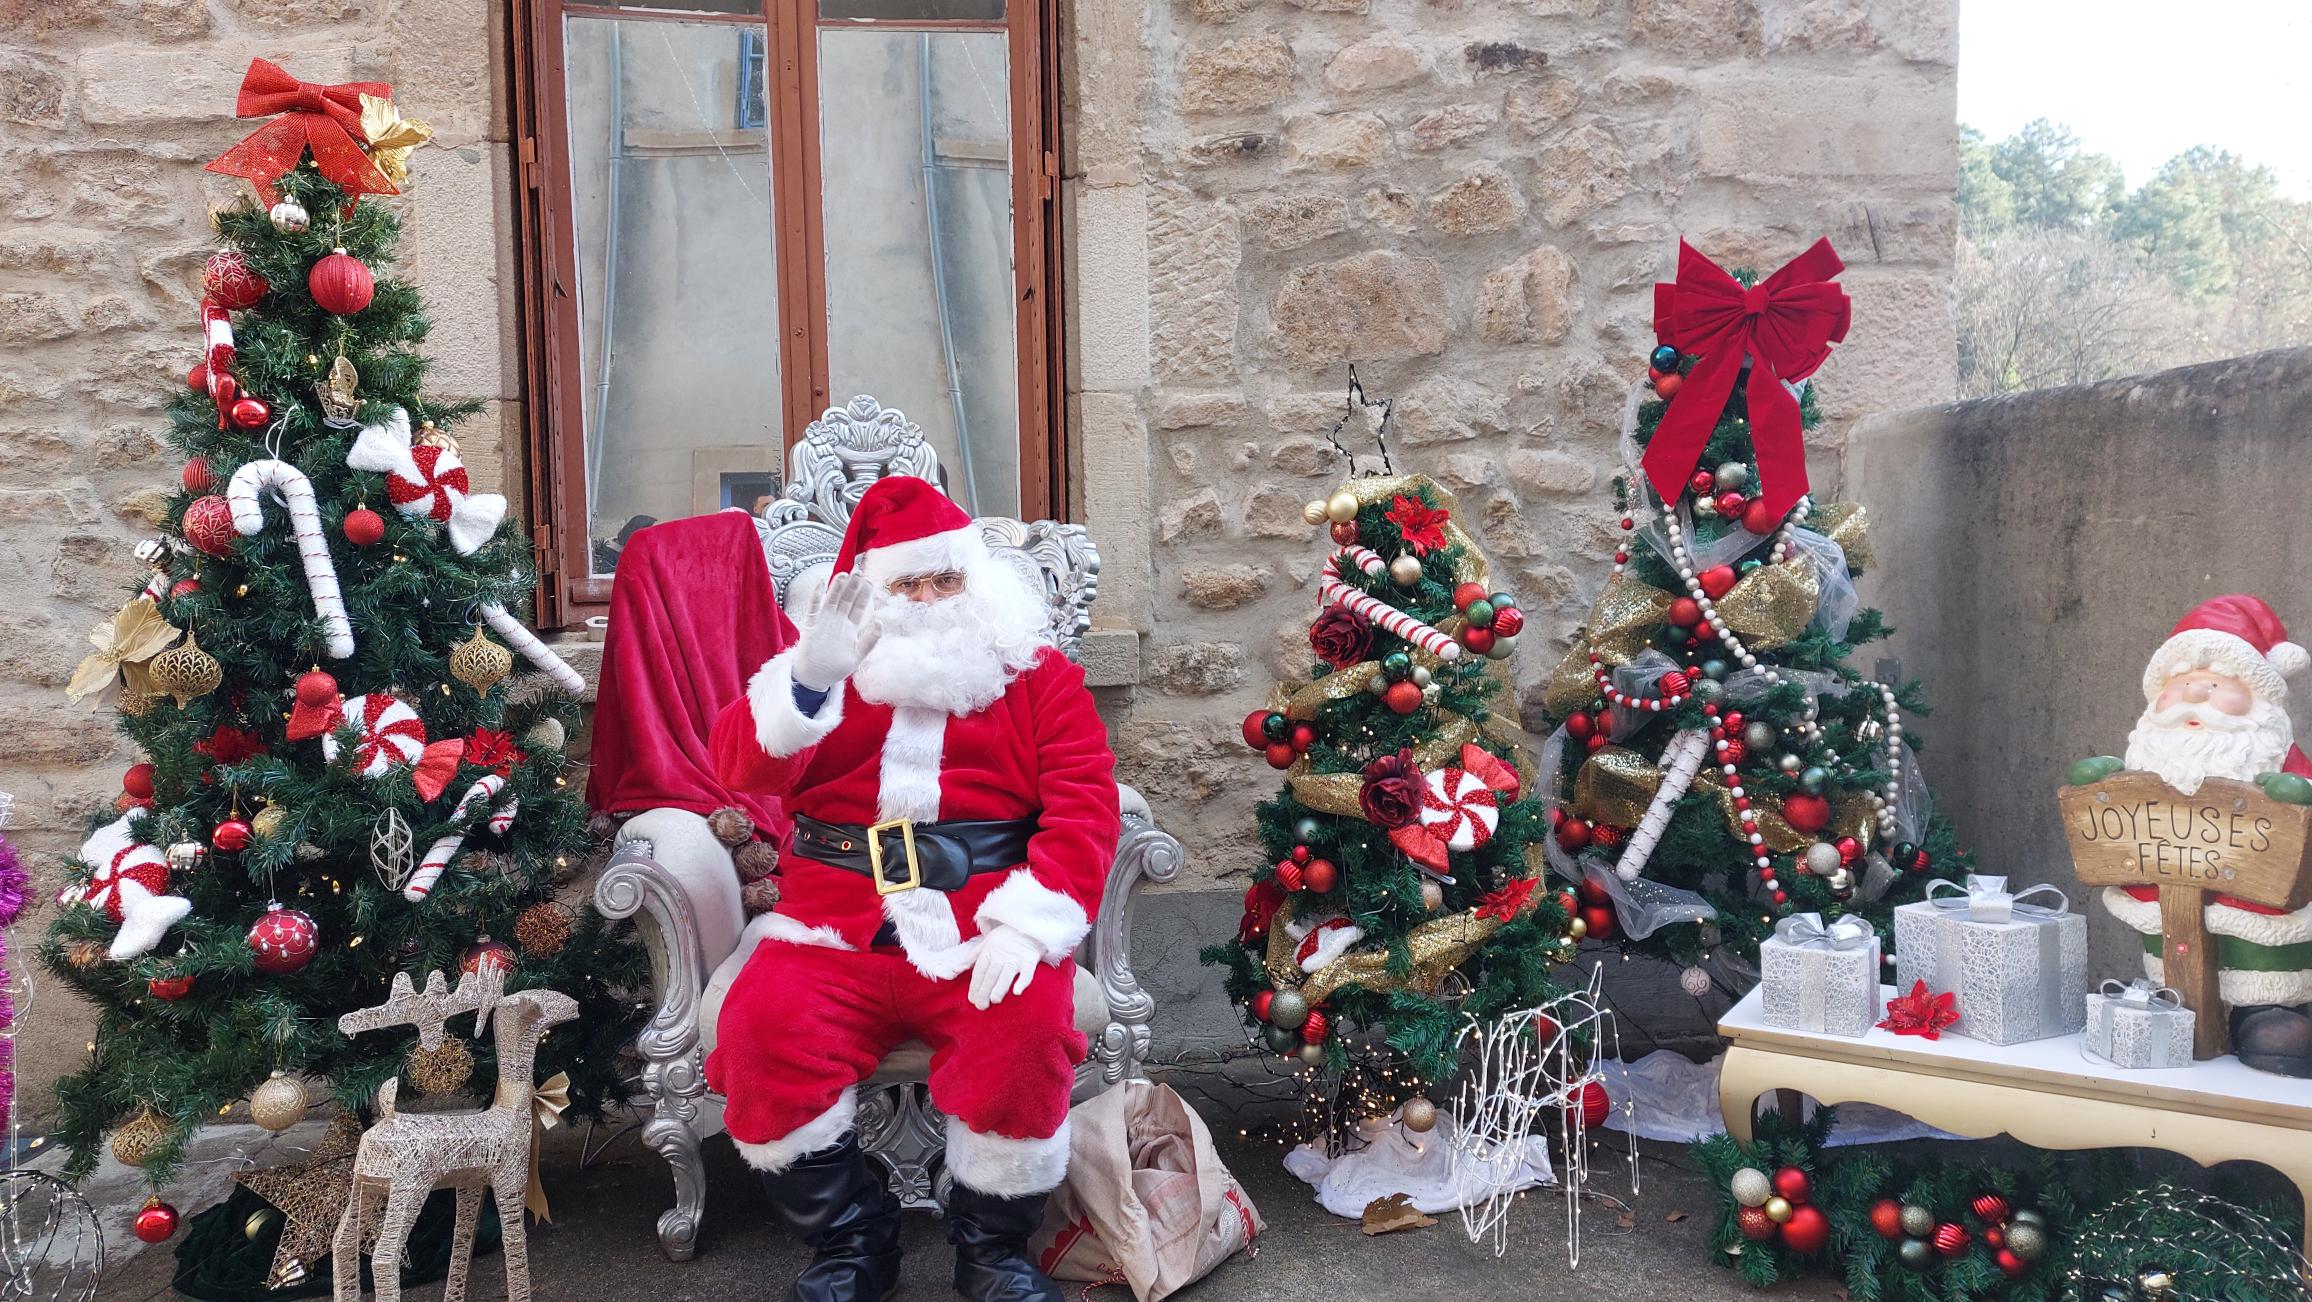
point(914, 876)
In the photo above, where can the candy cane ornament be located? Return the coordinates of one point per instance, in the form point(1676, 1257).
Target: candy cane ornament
point(1335, 592)
point(533, 650)
point(437, 858)
point(296, 492)
point(1681, 761)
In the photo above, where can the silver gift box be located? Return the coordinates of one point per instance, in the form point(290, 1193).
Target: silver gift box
point(1820, 979)
point(2019, 968)
point(2139, 1026)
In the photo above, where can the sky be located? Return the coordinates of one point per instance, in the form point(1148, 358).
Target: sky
point(2143, 80)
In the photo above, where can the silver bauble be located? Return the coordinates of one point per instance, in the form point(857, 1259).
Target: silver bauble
point(1822, 858)
point(1918, 1222)
point(1288, 1010)
point(1732, 474)
point(1750, 1187)
point(289, 217)
point(1695, 981)
point(1502, 648)
point(1790, 764)
point(1758, 735)
point(1313, 1055)
point(2026, 1240)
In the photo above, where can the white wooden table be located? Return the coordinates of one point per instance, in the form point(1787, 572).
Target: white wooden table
point(2044, 1092)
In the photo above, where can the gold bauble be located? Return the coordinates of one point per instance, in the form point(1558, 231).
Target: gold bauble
point(1418, 1114)
point(479, 663)
point(1314, 513)
point(430, 435)
point(546, 734)
point(268, 821)
point(441, 1071)
point(542, 929)
point(1341, 507)
point(279, 1103)
point(1432, 895)
point(1577, 929)
point(259, 1221)
point(1405, 571)
point(186, 671)
point(135, 1143)
point(1778, 1209)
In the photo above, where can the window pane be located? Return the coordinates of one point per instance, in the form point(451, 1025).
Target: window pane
point(686, 6)
point(918, 10)
point(915, 151)
point(670, 196)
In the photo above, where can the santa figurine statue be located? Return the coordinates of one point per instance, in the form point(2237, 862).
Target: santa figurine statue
point(955, 816)
point(2216, 706)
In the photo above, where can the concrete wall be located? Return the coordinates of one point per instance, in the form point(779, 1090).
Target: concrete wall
point(2035, 549)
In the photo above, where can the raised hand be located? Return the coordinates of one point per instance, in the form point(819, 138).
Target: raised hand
point(840, 633)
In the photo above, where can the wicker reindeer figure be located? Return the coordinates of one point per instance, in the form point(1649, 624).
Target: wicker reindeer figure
point(406, 1156)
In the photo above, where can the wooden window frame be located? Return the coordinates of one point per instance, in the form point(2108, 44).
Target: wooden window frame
point(545, 237)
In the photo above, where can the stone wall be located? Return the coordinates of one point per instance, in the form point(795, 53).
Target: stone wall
point(1470, 200)
point(111, 107)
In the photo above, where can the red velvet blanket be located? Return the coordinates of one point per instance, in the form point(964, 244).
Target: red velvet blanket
point(692, 617)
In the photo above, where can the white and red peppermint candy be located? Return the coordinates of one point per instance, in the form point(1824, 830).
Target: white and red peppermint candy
point(130, 866)
point(1324, 940)
point(391, 734)
point(1460, 808)
point(429, 481)
point(130, 886)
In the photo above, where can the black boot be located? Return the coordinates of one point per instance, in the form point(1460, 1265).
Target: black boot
point(990, 1235)
point(832, 1201)
point(2277, 1040)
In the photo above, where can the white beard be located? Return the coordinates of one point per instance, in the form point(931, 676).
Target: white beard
point(958, 655)
point(2223, 746)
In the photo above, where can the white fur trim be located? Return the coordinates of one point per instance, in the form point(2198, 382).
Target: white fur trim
point(475, 520)
point(1007, 1168)
point(1056, 923)
point(924, 918)
point(2140, 915)
point(955, 549)
point(2225, 653)
point(782, 729)
point(2244, 989)
point(144, 919)
point(2223, 920)
point(778, 926)
point(817, 1135)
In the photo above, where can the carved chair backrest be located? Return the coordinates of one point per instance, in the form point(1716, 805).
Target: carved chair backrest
point(850, 447)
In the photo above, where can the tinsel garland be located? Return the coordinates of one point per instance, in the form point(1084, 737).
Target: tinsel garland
point(12, 884)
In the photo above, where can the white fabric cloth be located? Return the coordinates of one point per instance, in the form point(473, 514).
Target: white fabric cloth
point(1395, 1161)
point(1677, 1100)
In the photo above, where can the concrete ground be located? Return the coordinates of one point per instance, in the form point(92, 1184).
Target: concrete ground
point(600, 1247)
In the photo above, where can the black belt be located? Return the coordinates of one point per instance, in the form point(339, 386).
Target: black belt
point(942, 856)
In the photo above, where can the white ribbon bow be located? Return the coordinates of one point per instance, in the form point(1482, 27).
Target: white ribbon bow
point(1807, 929)
point(1986, 898)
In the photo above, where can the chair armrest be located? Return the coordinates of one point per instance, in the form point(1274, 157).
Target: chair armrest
point(634, 885)
point(1146, 853)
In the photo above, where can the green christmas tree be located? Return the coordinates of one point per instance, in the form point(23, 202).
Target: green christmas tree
point(1398, 886)
point(328, 719)
point(1714, 761)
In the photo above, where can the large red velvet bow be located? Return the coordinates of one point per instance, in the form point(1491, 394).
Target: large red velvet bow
point(1785, 324)
point(324, 119)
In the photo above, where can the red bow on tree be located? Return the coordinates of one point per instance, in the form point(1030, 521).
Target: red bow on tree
point(324, 119)
point(1506, 902)
point(1785, 324)
point(494, 750)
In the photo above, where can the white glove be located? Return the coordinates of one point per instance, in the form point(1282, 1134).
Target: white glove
point(1006, 963)
point(840, 633)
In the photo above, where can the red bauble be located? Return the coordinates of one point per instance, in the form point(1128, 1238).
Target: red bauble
point(1730, 504)
point(1849, 853)
point(208, 525)
point(284, 940)
point(1345, 532)
point(1573, 834)
point(1994, 1236)
point(1403, 697)
point(184, 588)
point(1260, 1003)
point(491, 955)
point(1674, 683)
point(1304, 735)
point(1301, 855)
point(2013, 1266)
point(197, 379)
point(1599, 918)
point(1807, 1231)
point(1320, 875)
point(1479, 640)
point(1281, 755)
point(1508, 621)
point(1736, 751)
point(1886, 1216)
point(158, 1220)
point(1758, 517)
point(1700, 482)
point(1950, 1238)
point(1805, 813)
point(1579, 725)
point(229, 280)
point(1754, 1223)
point(1793, 1184)
point(1717, 581)
point(169, 989)
point(197, 477)
point(1989, 1208)
point(340, 284)
point(1605, 836)
point(1317, 1029)
point(1593, 891)
point(251, 413)
point(1291, 875)
point(231, 835)
point(1781, 897)
point(316, 689)
point(1666, 388)
point(363, 527)
point(1685, 612)
point(1590, 1104)
point(138, 781)
point(1466, 593)
point(1598, 741)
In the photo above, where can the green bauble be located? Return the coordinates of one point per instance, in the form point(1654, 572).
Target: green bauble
point(1916, 1254)
point(1814, 779)
point(1479, 612)
point(1275, 726)
point(2027, 1240)
point(1397, 666)
point(1279, 1039)
point(1288, 1010)
point(2288, 788)
point(2095, 768)
point(1714, 669)
point(1918, 1222)
point(1307, 830)
point(1710, 692)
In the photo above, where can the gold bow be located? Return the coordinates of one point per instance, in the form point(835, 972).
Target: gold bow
point(546, 1104)
point(392, 137)
point(123, 643)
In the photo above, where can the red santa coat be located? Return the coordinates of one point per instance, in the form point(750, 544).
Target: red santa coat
point(1039, 752)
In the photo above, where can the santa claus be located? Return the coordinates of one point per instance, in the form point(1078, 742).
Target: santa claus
point(954, 802)
point(2216, 706)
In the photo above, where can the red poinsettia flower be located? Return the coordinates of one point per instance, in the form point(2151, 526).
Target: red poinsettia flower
point(1505, 903)
point(1422, 525)
point(229, 745)
point(494, 750)
point(1261, 901)
point(1921, 1013)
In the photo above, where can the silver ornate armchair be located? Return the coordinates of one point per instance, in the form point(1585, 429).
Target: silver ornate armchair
point(671, 875)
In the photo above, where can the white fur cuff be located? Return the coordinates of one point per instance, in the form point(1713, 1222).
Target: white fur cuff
point(779, 726)
point(955, 549)
point(817, 1135)
point(778, 926)
point(1007, 1168)
point(1051, 919)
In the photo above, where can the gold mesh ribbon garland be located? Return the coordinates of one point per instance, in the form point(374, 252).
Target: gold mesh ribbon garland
point(1771, 605)
point(1848, 525)
point(1616, 784)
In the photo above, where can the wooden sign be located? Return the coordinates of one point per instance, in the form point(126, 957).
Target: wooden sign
point(2229, 838)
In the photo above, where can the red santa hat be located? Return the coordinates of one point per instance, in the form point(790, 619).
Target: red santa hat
point(904, 526)
point(2238, 636)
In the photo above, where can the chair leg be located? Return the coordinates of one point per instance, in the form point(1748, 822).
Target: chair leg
point(462, 1243)
point(675, 1084)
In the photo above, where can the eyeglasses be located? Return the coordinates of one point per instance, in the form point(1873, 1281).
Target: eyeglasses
point(945, 583)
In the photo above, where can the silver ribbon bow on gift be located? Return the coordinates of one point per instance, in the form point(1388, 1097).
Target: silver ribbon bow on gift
point(2141, 993)
point(1986, 899)
point(1807, 929)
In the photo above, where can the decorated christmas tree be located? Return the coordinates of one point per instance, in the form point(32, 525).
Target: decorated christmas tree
point(1398, 885)
point(1713, 761)
point(345, 779)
